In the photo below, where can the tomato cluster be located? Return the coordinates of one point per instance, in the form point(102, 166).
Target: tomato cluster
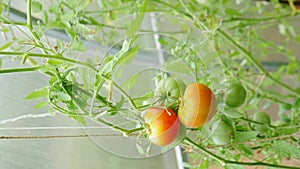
point(190, 107)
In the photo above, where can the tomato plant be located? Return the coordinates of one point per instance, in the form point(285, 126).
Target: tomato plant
point(198, 105)
point(163, 125)
point(252, 42)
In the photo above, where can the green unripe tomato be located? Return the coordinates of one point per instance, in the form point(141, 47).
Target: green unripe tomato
point(264, 118)
point(222, 133)
point(169, 90)
point(235, 95)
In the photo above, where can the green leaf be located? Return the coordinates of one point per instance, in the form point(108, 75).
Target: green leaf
point(246, 149)
point(36, 6)
point(82, 5)
point(41, 105)
point(39, 93)
point(137, 21)
point(232, 113)
point(286, 149)
point(56, 25)
point(77, 45)
point(283, 107)
point(45, 17)
point(129, 56)
point(245, 136)
point(204, 163)
point(115, 109)
point(177, 66)
point(297, 103)
point(1, 63)
point(63, 97)
point(53, 62)
point(67, 17)
point(113, 61)
point(286, 130)
point(5, 46)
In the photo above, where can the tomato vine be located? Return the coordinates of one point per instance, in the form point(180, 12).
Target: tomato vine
point(214, 44)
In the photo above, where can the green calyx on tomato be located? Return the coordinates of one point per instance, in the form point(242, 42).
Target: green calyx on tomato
point(264, 119)
point(168, 92)
point(236, 95)
point(222, 133)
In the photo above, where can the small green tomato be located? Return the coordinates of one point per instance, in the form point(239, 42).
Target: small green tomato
point(264, 118)
point(169, 90)
point(235, 95)
point(222, 133)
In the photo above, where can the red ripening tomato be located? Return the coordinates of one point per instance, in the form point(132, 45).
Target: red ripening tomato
point(197, 106)
point(164, 125)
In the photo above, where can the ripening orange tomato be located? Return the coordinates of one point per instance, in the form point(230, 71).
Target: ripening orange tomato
point(197, 106)
point(163, 124)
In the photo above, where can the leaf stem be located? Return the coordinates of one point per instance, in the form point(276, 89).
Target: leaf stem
point(15, 70)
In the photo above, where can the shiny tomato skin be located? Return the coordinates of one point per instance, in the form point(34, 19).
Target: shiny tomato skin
point(163, 126)
point(197, 106)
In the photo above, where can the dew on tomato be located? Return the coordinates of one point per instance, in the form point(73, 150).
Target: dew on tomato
point(198, 105)
point(163, 126)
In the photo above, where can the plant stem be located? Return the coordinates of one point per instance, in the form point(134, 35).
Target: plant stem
point(233, 19)
point(223, 161)
point(30, 27)
point(15, 70)
point(257, 141)
point(55, 57)
point(125, 132)
point(20, 23)
point(252, 60)
point(125, 94)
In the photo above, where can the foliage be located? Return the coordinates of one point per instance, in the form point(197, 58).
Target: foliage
point(216, 42)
